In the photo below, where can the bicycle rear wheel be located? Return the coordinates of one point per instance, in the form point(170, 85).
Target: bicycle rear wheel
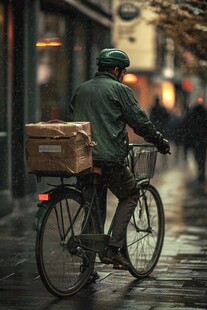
point(63, 265)
point(145, 233)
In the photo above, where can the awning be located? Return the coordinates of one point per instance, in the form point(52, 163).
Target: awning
point(95, 15)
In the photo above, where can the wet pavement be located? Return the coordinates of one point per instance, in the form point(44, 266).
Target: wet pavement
point(179, 280)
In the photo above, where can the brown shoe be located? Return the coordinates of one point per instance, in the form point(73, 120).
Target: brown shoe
point(120, 259)
point(114, 256)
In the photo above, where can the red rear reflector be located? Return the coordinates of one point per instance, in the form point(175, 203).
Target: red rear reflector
point(44, 197)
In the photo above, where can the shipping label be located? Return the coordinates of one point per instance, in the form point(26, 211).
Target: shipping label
point(49, 148)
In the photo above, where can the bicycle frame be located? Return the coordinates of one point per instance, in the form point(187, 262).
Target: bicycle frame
point(100, 240)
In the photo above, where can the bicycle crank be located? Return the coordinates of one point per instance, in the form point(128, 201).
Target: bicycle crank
point(74, 247)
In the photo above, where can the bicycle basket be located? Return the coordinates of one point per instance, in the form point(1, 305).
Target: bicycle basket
point(144, 161)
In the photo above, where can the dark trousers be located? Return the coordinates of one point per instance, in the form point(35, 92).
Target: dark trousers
point(122, 184)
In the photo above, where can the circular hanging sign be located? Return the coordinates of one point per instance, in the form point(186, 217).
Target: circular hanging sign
point(128, 11)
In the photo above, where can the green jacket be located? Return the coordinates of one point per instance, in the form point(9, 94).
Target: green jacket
point(109, 105)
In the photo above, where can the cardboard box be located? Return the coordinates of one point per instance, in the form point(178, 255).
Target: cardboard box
point(58, 147)
point(57, 130)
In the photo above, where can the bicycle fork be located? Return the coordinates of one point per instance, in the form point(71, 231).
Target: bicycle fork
point(144, 208)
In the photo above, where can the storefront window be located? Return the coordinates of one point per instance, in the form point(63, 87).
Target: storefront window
point(2, 73)
point(3, 107)
point(52, 71)
point(79, 52)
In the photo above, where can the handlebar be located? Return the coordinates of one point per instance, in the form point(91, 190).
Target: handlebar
point(131, 145)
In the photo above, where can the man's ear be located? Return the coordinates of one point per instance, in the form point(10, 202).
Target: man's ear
point(116, 71)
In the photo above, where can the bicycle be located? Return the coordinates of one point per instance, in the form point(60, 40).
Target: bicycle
point(66, 251)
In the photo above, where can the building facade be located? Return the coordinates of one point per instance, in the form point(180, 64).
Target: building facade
point(149, 57)
point(47, 49)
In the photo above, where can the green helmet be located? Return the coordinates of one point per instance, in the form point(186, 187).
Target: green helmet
point(112, 57)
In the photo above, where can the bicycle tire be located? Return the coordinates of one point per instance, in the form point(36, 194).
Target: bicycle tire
point(143, 245)
point(63, 273)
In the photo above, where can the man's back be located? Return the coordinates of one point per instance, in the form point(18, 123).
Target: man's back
point(98, 101)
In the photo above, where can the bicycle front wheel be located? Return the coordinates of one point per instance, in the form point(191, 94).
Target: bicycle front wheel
point(63, 265)
point(145, 233)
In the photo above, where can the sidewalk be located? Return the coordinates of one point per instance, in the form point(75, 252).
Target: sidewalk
point(179, 280)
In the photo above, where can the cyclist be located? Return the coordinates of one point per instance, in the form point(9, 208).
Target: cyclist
point(109, 106)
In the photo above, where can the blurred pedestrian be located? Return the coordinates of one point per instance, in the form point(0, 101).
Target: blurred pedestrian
point(160, 117)
point(197, 136)
point(185, 132)
point(174, 129)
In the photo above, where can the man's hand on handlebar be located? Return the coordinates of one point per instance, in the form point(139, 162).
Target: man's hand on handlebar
point(163, 147)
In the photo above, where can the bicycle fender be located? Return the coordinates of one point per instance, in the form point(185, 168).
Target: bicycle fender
point(39, 216)
point(42, 208)
point(143, 182)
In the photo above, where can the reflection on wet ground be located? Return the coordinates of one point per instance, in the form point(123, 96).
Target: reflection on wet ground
point(179, 280)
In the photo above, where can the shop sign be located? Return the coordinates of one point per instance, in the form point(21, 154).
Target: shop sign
point(128, 11)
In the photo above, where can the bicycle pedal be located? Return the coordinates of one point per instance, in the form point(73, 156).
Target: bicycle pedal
point(119, 266)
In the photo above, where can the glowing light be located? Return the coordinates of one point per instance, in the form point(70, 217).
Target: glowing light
point(43, 197)
point(200, 100)
point(130, 78)
point(168, 95)
point(187, 85)
point(49, 42)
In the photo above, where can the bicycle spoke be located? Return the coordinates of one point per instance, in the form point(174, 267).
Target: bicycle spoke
point(145, 233)
point(62, 268)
